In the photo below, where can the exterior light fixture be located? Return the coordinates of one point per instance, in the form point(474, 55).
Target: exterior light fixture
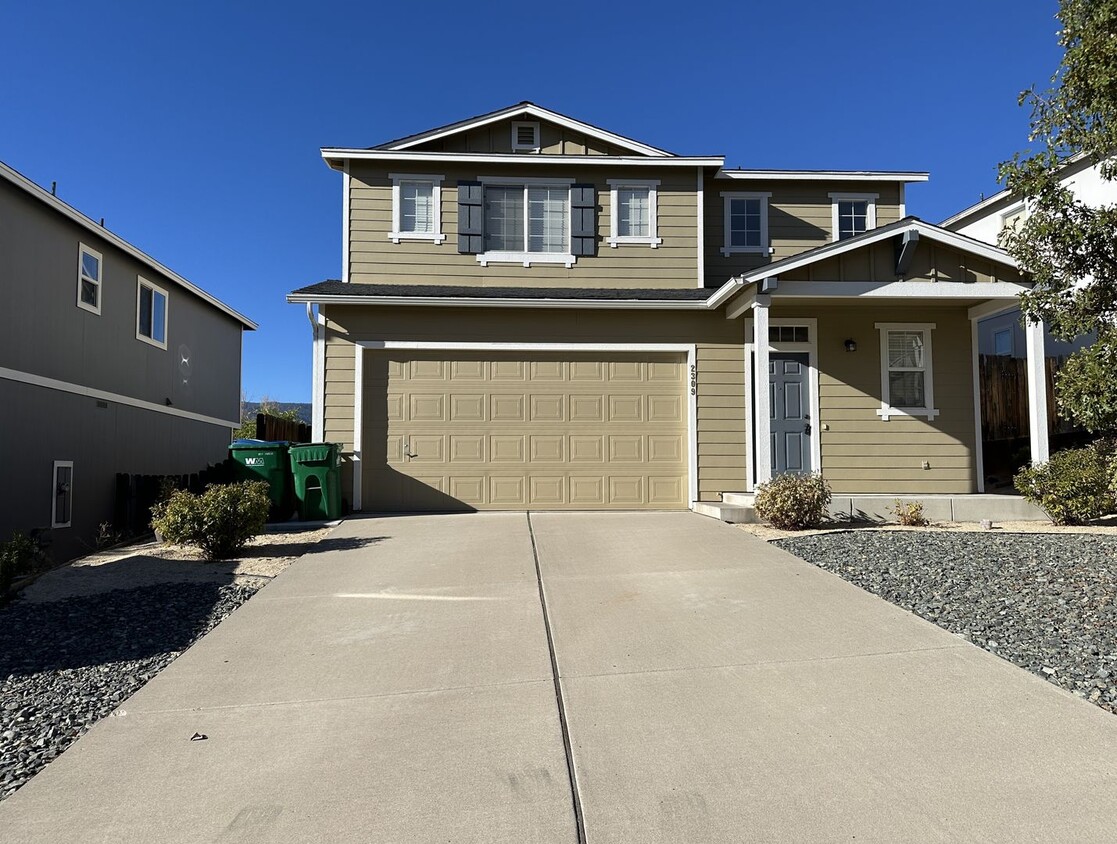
point(851, 345)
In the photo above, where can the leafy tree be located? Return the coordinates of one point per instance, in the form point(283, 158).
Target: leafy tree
point(1069, 249)
point(247, 428)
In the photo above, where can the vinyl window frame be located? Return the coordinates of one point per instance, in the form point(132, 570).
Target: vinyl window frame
point(84, 250)
point(727, 247)
point(524, 257)
point(615, 238)
point(436, 235)
point(141, 283)
point(54, 521)
point(887, 409)
point(870, 211)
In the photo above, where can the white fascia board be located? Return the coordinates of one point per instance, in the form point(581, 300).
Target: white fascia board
point(332, 155)
point(1003, 290)
point(975, 209)
point(958, 241)
point(479, 302)
point(539, 113)
point(725, 291)
point(57, 204)
point(826, 175)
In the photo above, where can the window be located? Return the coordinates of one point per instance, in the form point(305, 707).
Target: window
point(528, 223)
point(788, 334)
point(151, 313)
point(1002, 342)
point(89, 279)
point(746, 223)
point(416, 208)
point(1013, 217)
point(525, 137)
point(62, 494)
point(852, 214)
point(907, 386)
point(633, 213)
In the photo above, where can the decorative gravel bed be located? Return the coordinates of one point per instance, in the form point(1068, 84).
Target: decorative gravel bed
point(66, 664)
point(1046, 602)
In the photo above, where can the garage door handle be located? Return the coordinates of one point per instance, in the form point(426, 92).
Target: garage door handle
point(407, 452)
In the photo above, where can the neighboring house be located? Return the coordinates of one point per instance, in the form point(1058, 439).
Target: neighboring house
point(1003, 334)
point(109, 362)
point(536, 313)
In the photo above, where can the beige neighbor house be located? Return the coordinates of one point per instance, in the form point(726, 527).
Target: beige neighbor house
point(536, 313)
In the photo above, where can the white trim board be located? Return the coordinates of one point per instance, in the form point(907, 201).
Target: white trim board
point(826, 175)
point(104, 395)
point(689, 349)
point(481, 302)
point(341, 154)
point(1001, 290)
point(358, 423)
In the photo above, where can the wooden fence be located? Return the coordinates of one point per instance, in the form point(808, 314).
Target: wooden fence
point(273, 428)
point(1004, 397)
point(137, 494)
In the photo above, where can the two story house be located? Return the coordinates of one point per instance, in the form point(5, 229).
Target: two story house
point(109, 362)
point(537, 313)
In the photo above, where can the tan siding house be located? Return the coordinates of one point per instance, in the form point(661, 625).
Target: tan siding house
point(536, 313)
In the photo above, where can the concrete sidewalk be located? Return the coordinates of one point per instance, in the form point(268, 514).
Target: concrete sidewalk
point(396, 685)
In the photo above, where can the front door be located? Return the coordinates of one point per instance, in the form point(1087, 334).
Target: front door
point(790, 409)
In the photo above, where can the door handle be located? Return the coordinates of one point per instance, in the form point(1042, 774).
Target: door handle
point(407, 452)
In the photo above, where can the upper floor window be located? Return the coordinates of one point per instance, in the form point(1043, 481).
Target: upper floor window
point(907, 385)
point(528, 223)
point(151, 313)
point(852, 214)
point(525, 136)
point(746, 223)
point(416, 208)
point(633, 212)
point(89, 279)
point(1013, 217)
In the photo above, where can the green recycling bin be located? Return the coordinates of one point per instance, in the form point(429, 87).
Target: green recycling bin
point(317, 471)
point(262, 460)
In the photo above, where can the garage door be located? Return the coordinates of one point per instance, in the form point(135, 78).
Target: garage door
point(561, 430)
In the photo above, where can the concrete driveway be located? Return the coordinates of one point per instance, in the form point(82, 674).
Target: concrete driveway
point(399, 685)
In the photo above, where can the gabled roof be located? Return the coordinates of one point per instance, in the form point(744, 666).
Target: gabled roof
point(523, 109)
point(50, 200)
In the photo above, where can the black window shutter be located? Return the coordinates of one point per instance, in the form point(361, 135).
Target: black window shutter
point(471, 230)
point(583, 220)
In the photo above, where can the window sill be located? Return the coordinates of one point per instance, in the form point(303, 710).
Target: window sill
point(653, 242)
point(526, 258)
point(928, 412)
point(396, 237)
point(143, 339)
point(93, 309)
point(726, 251)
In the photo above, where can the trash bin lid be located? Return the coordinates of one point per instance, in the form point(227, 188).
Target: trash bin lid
point(267, 444)
point(313, 453)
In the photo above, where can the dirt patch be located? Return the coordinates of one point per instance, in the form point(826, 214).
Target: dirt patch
point(150, 563)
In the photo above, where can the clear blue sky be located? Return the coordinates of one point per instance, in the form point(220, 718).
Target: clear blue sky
point(194, 128)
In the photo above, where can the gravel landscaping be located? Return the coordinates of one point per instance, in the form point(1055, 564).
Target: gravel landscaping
point(1046, 602)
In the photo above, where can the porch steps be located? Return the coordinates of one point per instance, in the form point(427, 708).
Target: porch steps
point(737, 508)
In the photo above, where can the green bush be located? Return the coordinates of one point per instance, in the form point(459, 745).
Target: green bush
point(220, 521)
point(1074, 486)
point(18, 556)
point(909, 514)
point(793, 502)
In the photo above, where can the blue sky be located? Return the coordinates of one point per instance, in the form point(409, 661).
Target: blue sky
point(194, 128)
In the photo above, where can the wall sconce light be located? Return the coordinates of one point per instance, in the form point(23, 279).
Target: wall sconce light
point(851, 345)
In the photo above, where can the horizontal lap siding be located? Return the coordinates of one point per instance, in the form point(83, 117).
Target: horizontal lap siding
point(374, 258)
point(721, 419)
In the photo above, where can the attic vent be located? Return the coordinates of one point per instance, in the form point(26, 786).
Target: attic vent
point(525, 136)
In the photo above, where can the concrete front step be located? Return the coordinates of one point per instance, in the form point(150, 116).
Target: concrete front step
point(737, 507)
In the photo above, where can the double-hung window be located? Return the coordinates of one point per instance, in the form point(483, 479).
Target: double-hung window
point(151, 313)
point(852, 214)
point(907, 385)
point(528, 223)
point(416, 208)
point(746, 223)
point(633, 213)
point(90, 267)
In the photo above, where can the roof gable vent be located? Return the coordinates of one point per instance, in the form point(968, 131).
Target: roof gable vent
point(525, 136)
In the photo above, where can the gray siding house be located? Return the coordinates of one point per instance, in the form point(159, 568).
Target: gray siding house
point(109, 362)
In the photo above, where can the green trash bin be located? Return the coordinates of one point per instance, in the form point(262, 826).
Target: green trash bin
point(262, 460)
point(316, 468)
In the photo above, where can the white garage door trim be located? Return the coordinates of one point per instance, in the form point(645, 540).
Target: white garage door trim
point(452, 346)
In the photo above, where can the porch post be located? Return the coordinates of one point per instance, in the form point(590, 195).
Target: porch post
point(762, 414)
point(1037, 392)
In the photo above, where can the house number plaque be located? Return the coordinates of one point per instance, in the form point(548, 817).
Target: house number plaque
point(693, 380)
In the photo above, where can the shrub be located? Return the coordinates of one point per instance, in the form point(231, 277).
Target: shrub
point(1074, 486)
point(220, 521)
point(18, 556)
point(793, 502)
point(909, 514)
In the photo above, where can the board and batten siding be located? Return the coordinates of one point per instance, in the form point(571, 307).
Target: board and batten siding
point(497, 138)
point(375, 259)
point(932, 262)
point(799, 218)
point(719, 361)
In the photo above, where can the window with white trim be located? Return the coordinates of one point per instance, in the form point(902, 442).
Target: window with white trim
point(906, 381)
point(1014, 217)
point(852, 214)
point(528, 223)
point(62, 494)
point(90, 268)
point(416, 208)
point(151, 313)
point(746, 223)
point(1002, 342)
point(525, 136)
point(633, 210)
